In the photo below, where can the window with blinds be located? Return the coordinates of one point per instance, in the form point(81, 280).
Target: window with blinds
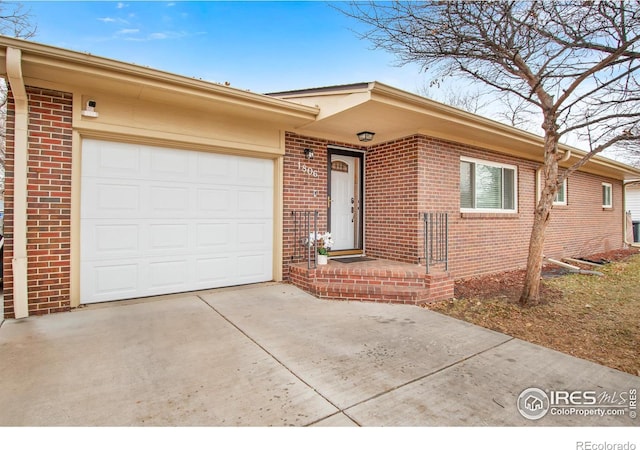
point(487, 186)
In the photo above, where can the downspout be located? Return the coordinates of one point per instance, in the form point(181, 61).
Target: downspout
point(624, 218)
point(19, 261)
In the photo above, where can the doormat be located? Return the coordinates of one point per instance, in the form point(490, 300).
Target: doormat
point(353, 259)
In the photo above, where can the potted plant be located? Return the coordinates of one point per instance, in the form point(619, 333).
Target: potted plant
point(324, 242)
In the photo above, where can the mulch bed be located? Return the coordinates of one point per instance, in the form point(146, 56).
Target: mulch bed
point(508, 285)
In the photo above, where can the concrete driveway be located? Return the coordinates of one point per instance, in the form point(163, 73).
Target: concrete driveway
point(272, 355)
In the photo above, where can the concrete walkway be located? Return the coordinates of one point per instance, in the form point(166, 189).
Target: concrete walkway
point(273, 355)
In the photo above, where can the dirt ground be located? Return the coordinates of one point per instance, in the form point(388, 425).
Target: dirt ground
point(508, 285)
point(591, 317)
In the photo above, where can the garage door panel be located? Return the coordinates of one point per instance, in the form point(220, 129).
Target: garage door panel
point(119, 197)
point(112, 281)
point(254, 235)
point(214, 236)
point(116, 240)
point(255, 172)
point(168, 274)
point(214, 201)
point(169, 164)
point(111, 199)
point(254, 203)
point(169, 200)
point(251, 266)
point(110, 159)
point(118, 278)
point(223, 168)
point(169, 236)
point(121, 161)
point(102, 241)
point(157, 221)
point(215, 270)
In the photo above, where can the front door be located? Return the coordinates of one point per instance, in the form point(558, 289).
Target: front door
point(345, 200)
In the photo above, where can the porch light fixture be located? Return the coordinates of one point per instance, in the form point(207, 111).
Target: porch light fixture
point(308, 153)
point(365, 136)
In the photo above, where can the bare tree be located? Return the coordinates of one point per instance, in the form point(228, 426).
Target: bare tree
point(15, 21)
point(574, 62)
point(470, 100)
point(517, 112)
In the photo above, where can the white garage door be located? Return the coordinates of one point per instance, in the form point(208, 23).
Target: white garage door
point(157, 221)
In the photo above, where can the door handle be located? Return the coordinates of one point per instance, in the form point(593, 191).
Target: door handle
point(328, 201)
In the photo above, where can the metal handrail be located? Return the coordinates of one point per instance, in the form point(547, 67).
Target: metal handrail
point(302, 222)
point(436, 239)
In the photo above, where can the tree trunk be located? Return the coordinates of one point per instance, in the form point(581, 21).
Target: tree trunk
point(531, 289)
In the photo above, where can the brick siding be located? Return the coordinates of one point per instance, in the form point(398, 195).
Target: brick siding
point(485, 243)
point(299, 189)
point(48, 202)
point(417, 174)
point(391, 200)
point(403, 178)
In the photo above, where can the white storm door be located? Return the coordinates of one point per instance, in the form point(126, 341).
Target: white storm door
point(157, 221)
point(342, 202)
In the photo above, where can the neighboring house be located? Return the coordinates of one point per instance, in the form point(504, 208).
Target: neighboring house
point(124, 181)
point(632, 199)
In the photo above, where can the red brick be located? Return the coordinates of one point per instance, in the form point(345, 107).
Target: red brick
point(418, 174)
point(48, 214)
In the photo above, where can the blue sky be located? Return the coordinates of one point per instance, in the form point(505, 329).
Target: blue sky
point(262, 46)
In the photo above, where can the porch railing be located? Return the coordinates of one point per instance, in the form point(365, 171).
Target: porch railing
point(436, 239)
point(305, 224)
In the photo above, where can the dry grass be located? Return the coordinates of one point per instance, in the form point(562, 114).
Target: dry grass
point(595, 318)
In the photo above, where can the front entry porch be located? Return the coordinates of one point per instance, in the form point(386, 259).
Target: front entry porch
point(376, 280)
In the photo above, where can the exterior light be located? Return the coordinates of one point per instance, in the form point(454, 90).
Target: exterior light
point(366, 136)
point(308, 153)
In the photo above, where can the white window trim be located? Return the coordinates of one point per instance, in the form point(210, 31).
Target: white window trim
point(539, 189)
point(563, 203)
point(515, 187)
point(610, 186)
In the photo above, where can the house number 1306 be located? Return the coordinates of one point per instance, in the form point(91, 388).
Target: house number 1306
point(308, 170)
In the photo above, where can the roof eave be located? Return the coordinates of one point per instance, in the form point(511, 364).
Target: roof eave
point(54, 57)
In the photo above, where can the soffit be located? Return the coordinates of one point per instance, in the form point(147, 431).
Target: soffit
point(391, 114)
point(89, 73)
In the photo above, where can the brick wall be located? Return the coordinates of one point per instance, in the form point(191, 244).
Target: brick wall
point(298, 192)
point(303, 190)
point(391, 200)
point(484, 242)
point(418, 174)
point(583, 227)
point(48, 202)
point(479, 242)
point(403, 177)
